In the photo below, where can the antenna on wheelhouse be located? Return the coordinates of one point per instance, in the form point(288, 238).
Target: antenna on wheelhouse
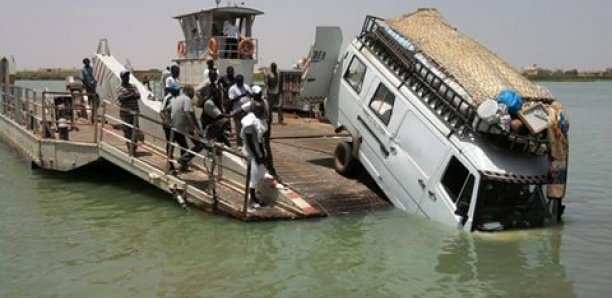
point(218, 2)
point(231, 3)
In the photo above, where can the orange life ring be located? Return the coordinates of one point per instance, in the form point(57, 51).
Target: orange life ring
point(246, 48)
point(181, 50)
point(213, 47)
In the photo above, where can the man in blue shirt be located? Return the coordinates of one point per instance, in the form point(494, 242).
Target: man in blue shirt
point(89, 81)
point(87, 76)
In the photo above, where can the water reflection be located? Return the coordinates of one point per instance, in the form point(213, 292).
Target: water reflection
point(513, 264)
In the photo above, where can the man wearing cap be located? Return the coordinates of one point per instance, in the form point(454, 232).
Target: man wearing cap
point(254, 127)
point(128, 97)
point(257, 99)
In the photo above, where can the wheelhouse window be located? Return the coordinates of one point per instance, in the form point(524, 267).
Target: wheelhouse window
point(382, 103)
point(355, 74)
point(459, 184)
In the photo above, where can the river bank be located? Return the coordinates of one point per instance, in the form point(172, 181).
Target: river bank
point(62, 74)
point(575, 79)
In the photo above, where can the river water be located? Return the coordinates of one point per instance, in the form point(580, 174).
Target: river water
point(101, 232)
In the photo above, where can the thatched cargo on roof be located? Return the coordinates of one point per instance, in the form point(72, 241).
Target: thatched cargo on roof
point(479, 71)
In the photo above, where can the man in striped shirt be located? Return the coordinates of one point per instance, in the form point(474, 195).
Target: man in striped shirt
point(128, 97)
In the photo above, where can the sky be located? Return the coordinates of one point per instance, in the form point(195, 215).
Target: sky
point(60, 33)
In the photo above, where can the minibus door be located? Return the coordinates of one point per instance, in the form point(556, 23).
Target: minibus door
point(415, 153)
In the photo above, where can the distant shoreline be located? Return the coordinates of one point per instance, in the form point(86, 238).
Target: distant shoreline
point(568, 79)
point(62, 74)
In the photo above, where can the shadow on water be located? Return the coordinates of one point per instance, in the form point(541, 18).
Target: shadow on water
point(100, 174)
point(97, 186)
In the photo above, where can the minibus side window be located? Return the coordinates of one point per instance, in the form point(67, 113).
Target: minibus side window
point(382, 103)
point(355, 74)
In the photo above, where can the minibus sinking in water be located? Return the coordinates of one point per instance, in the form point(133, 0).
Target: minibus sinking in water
point(417, 132)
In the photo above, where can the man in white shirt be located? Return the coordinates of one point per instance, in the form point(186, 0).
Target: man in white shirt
point(238, 96)
point(257, 98)
point(165, 74)
point(175, 72)
point(254, 127)
point(232, 35)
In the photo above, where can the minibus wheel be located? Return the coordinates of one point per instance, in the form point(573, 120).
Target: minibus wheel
point(344, 162)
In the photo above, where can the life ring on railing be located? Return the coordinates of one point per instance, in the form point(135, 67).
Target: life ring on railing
point(246, 48)
point(181, 49)
point(213, 47)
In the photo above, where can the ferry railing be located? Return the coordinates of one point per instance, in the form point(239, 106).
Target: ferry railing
point(16, 102)
point(456, 111)
point(63, 110)
point(198, 48)
point(210, 163)
point(39, 115)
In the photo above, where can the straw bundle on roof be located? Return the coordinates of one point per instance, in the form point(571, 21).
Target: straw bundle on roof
point(479, 71)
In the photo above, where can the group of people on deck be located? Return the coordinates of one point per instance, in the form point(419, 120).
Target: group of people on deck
point(222, 99)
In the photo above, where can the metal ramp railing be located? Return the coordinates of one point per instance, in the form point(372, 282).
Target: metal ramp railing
point(45, 113)
point(209, 171)
point(219, 177)
point(449, 104)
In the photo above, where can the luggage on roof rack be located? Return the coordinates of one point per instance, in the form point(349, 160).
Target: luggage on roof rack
point(452, 91)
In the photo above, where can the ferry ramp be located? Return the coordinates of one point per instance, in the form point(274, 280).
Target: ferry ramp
point(303, 156)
